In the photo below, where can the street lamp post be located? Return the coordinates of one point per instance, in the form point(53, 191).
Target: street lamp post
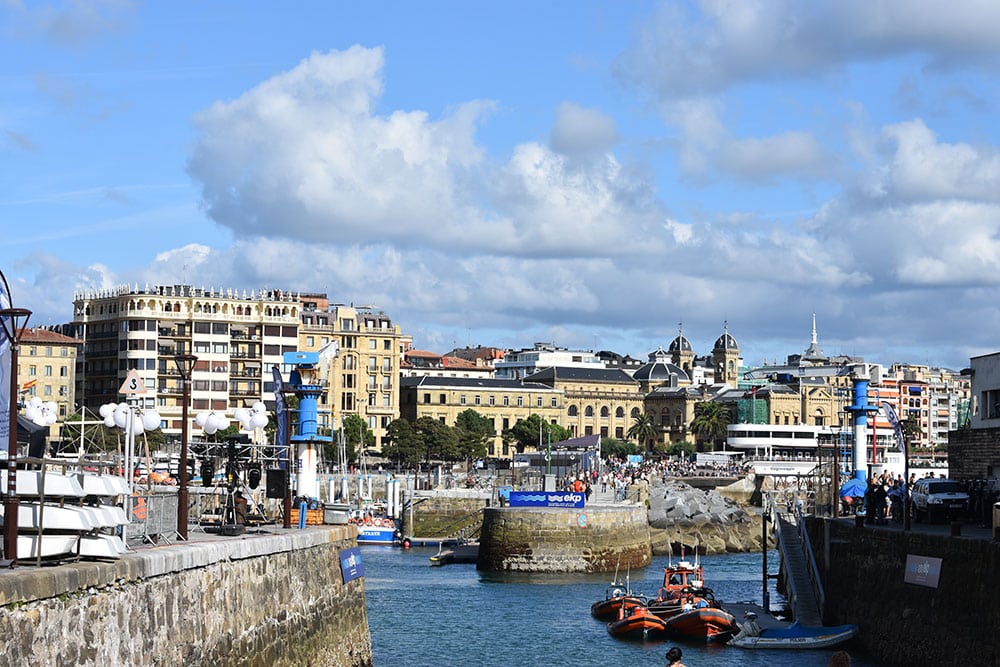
point(9, 320)
point(185, 365)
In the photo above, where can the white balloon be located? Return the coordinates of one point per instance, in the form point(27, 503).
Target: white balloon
point(242, 415)
point(33, 414)
point(220, 421)
point(121, 418)
point(258, 407)
point(201, 418)
point(35, 402)
point(258, 421)
point(107, 409)
point(151, 420)
point(109, 421)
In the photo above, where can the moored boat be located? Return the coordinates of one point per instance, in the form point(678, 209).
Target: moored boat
point(377, 530)
point(617, 597)
point(794, 636)
point(638, 623)
point(705, 624)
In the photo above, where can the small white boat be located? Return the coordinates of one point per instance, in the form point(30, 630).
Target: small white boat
point(56, 484)
point(101, 546)
point(28, 546)
point(794, 636)
point(106, 486)
point(32, 515)
point(108, 516)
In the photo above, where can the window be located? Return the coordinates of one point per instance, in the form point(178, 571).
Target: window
point(520, 401)
point(461, 399)
point(310, 341)
point(32, 370)
point(220, 348)
point(554, 402)
point(427, 398)
point(202, 348)
point(386, 363)
point(63, 371)
point(588, 412)
point(372, 363)
point(372, 344)
point(442, 399)
point(539, 401)
point(493, 400)
point(48, 390)
point(48, 371)
point(506, 401)
point(386, 344)
point(477, 400)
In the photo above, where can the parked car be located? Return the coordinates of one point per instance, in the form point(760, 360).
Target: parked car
point(937, 498)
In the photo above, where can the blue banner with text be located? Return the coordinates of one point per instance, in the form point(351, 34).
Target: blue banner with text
point(546, 499)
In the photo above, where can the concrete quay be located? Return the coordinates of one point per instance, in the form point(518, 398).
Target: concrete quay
point(269, 597)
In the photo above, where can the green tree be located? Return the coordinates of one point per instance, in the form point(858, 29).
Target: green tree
point(911, 431)
point(643, 430)
point(683, 448)
point(439, 440)
point(404, 445)
point(535, 433)
point(474, 431)
point(710, 421)
point(357, 436)
point(617, 448)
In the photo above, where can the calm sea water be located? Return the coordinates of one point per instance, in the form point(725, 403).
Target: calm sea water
point(454, 615)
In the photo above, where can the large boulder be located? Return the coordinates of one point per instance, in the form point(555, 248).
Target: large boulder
point(696, 519)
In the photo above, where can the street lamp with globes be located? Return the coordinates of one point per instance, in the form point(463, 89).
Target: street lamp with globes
point(9, 318)
point(185, 365)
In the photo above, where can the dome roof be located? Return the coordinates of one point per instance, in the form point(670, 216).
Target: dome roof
point(681, 344)
point(659, 371)
point(726, 342)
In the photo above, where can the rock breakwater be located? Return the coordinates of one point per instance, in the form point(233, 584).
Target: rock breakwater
point(699, 519)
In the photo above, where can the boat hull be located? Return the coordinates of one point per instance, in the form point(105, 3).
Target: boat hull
point(795, 637)
point(376, 534)
point(641, 624)
point(707, 624)
point(610, 609)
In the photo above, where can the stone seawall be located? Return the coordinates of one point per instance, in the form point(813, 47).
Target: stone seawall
point(254, 601)
point(903, 623)
point(544, 539)
point(444, 514)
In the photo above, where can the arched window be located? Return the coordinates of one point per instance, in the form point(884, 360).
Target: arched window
point(665, 418)
point(605, 412)
point(620, 412)
point(572, 412)
point(588, 411)
point(635, 413)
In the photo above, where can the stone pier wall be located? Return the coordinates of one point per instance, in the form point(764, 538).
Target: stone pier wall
point(254, 601)
point(594, 539)
point(903, 623)
point(443, 514)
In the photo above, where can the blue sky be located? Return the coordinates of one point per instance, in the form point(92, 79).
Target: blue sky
point(591, 174)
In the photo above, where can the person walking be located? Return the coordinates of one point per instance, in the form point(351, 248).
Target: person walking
point(674, 656)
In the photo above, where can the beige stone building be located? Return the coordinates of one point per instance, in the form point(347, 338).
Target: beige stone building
point(363, 377)
point(47, 368)
point(599, 401)
point(503, 402)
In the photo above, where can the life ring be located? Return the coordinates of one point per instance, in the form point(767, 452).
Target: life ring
point(617, 593)
point(368, 521)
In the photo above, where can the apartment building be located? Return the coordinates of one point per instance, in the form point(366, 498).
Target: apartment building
point(238, 336)
point(47, 368)
point(363, 375)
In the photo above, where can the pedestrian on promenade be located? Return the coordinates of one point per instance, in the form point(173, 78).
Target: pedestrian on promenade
point(674, 656)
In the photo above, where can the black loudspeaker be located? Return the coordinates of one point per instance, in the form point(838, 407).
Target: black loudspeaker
point(275, 483)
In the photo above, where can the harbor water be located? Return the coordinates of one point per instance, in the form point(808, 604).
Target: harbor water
point(423, 616)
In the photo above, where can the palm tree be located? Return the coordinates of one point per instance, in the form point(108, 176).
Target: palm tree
point(643, 429)
point(710, 421)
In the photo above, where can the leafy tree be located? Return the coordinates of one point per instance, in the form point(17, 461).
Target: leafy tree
point(404, 446)
point(357, 436)
point(617, 448)
point(710, 421)
point(643, 429)
point(474, 432)
point(439, 440)
point(529, 433)
point(911, 430)
point(684, 448)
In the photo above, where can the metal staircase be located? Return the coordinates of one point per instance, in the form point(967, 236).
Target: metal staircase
point(801, 576)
